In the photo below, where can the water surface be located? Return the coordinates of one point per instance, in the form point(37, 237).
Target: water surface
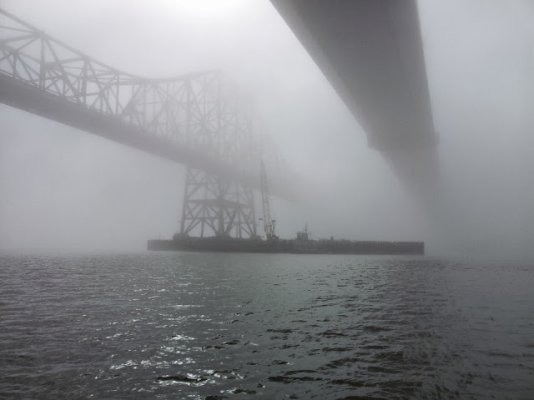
point(218, 326)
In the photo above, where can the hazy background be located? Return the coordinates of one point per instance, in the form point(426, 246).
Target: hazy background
point(66, 189)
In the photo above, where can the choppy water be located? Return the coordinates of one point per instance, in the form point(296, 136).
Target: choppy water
point(217, 326)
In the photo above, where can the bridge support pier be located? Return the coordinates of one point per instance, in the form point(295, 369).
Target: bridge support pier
point(215, 206)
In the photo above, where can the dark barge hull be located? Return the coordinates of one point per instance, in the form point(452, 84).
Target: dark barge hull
point(287, 246)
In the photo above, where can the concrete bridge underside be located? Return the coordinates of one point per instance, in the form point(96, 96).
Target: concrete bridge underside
point(371, 51)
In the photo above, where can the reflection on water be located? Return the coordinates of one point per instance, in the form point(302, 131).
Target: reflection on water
point(217, 326)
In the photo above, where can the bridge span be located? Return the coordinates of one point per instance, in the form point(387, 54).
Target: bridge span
point(199, 119)
point(371, 51)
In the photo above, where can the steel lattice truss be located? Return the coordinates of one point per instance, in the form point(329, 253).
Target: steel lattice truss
point(199, 112)
point(197, 119)
point(215, 206)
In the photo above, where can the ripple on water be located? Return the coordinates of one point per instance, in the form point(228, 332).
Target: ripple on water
point(206, 326)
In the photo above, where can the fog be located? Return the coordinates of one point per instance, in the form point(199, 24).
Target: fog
point(64, 189)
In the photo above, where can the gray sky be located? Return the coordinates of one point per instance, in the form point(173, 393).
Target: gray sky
point(66, 189)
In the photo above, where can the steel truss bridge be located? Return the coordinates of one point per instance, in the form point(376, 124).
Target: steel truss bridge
point(198, 119)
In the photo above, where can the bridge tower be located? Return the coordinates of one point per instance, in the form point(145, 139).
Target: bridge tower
point(219, 120)
point(199, 119)
point(215, 206)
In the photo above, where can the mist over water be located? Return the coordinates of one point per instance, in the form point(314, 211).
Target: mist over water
point(86, 312)
point(481, 85)
point(63, 188)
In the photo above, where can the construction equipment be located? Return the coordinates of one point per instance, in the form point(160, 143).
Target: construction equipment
point(269, 224)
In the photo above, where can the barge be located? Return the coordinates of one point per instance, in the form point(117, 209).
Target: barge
point(288, 246)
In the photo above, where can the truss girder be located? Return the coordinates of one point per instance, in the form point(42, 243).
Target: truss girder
point(199, 112)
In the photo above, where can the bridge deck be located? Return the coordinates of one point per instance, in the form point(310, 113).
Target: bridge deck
point(198, 119)
point(371, 51)
point(18, 94)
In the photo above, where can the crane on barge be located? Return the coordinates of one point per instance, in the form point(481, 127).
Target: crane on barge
point(269, 224)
